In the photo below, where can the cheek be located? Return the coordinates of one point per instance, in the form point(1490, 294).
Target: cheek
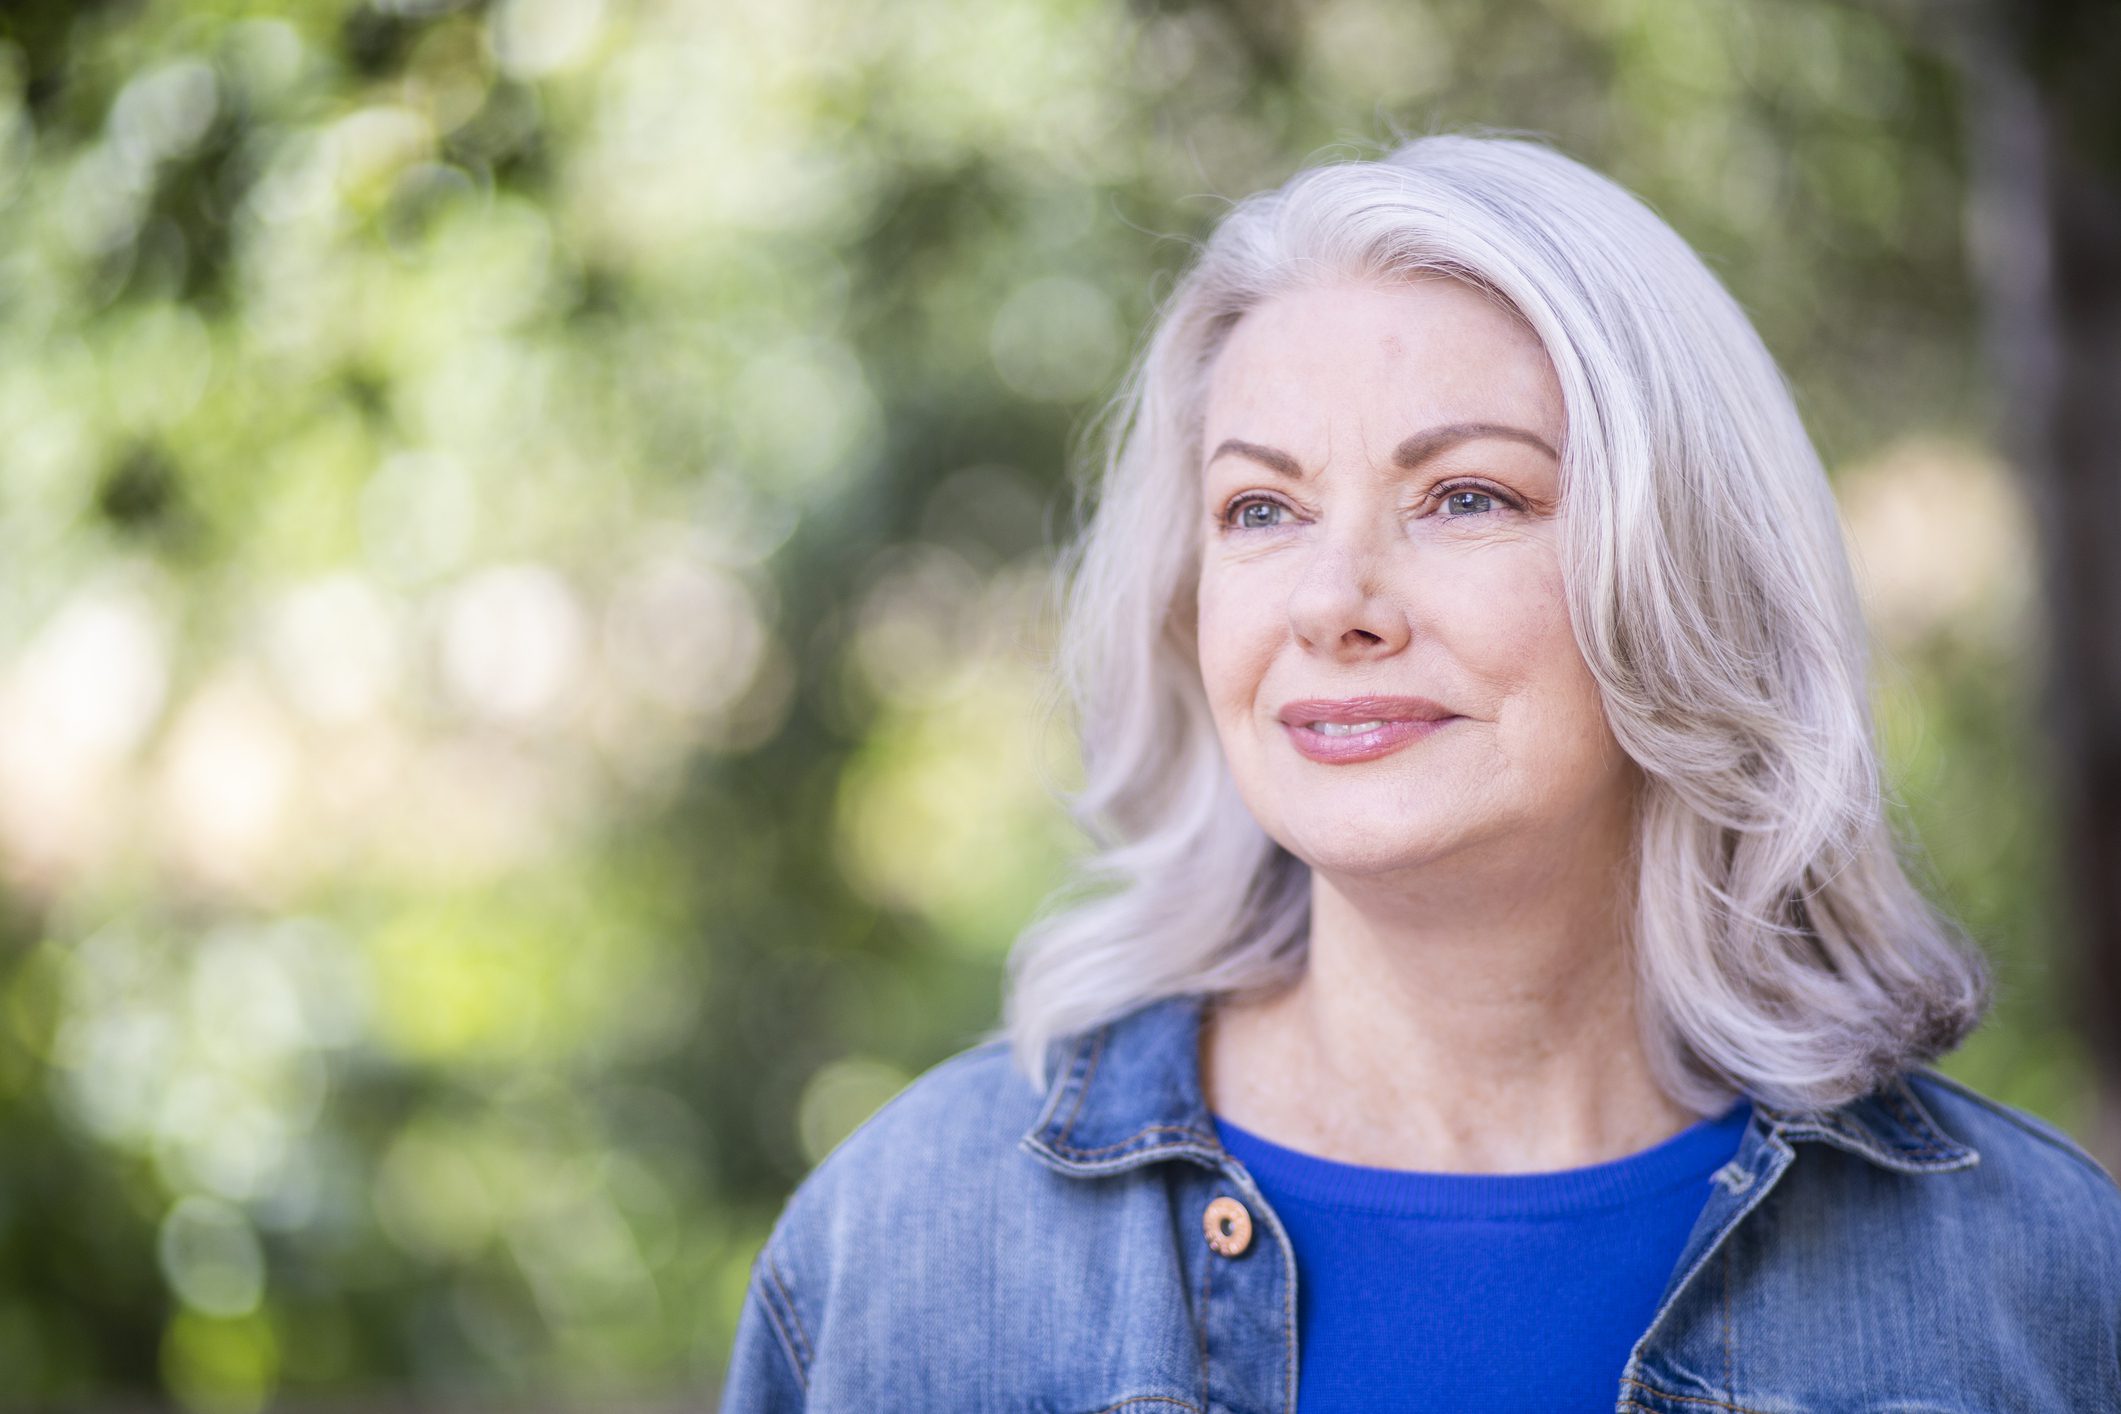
point(1529, 646)
point(1235, 630)
point(1508, 616)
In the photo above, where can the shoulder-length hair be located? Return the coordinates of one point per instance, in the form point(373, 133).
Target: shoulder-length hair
point(1779, 947)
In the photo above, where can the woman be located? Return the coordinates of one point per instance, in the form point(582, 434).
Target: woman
point(1498, 988)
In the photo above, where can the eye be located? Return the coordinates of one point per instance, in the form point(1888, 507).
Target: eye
point(1252, 513)
point(1465, 500)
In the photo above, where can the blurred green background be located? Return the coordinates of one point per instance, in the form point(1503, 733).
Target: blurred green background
point(526, 530)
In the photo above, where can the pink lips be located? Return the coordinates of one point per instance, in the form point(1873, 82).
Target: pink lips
point(1400, 720)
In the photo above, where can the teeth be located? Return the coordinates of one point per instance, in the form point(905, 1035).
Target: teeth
point(1344, 728)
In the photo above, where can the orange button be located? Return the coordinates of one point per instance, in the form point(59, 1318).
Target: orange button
point(1228, 1225)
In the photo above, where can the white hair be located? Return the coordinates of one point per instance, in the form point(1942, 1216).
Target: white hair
point(1779, 946)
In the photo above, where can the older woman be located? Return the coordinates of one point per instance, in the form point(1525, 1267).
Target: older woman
point(1497, 987)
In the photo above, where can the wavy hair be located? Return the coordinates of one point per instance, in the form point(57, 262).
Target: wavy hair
point(1779, 946)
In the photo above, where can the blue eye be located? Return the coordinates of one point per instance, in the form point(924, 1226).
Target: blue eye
point(1246, 520)
point(1468, 503)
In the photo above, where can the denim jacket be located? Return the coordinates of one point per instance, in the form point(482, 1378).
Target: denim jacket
point(976, 1245)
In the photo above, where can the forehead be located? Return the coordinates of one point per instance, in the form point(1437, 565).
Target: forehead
point(1387, 360)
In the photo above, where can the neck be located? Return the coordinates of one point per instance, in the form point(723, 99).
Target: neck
point(1482, 1022)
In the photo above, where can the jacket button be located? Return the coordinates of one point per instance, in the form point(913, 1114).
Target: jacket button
point(1228, 1225)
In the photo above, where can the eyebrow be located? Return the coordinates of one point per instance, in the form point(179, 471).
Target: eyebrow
point(1407, 455)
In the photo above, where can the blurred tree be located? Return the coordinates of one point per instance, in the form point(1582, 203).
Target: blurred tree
point(2045, 121)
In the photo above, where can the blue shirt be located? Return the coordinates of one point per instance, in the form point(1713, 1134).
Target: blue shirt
point(1456, 1291)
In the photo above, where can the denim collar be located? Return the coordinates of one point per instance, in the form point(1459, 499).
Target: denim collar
point(1128, 1093)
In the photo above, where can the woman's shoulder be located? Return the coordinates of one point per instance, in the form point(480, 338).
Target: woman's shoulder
point(898, 1230)
point(2032, 1188)
point(954, 1111)
point(1926, 1196)
point(2016, 1146)
point(946, 1134)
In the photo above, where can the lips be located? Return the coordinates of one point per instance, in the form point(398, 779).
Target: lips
point(1380, 725)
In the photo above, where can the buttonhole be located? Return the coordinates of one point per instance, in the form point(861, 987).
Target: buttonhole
point(1734, 1177)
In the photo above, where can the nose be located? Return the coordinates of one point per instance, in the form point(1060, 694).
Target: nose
point(1342, 602)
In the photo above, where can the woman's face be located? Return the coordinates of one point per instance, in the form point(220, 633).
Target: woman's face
point(1379, 507)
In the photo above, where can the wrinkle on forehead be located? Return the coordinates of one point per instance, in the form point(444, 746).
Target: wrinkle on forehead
point(1441, 359)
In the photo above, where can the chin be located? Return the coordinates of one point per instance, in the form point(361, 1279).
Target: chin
point(1358, 845)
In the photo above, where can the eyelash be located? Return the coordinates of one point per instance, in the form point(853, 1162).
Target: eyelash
point(1439, 494)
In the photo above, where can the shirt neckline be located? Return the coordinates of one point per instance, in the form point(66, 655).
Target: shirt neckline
point(1686, 1158)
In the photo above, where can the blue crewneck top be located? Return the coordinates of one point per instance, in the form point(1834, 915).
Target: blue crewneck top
point(1474, 1291)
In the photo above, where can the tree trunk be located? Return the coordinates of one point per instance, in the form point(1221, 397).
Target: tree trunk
point(2044, 112)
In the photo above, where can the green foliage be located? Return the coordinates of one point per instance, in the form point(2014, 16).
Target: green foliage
point(524, 526)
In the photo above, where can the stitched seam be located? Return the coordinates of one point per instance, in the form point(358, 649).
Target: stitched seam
point(1779, 1157)
point(1896, 1105)
point(1135, 1138)
point(795, 1318)
point(1097, 1049)
point(1685, 1398)
point(1064, 1079)
point(1857, 1136)
point(1115, 1163)
point(1857, 1142)
point(780, 1333)
point(1921, 1118)
point(1207, 1277)
point(1929, 1144)
point(1151, 1399)
point(1054, 1096)
point(1730, 1372)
